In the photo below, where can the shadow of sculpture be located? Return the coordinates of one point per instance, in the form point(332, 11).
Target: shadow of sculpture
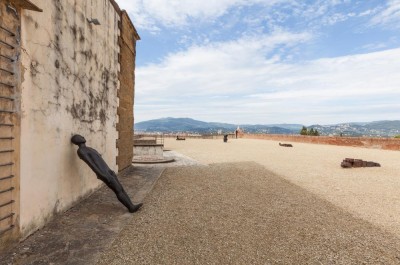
point(94, 160)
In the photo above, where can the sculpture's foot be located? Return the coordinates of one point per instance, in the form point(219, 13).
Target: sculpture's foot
point(135, 207)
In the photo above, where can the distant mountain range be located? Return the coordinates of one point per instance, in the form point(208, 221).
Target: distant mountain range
point(187, 125)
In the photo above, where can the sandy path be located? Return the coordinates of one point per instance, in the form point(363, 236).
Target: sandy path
point(241, 213)
point(372, 194)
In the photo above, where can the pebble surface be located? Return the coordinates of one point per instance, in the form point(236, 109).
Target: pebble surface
point(242, 213)
point(371, 194)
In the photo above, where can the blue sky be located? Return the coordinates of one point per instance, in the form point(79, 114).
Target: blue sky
point(267, 61)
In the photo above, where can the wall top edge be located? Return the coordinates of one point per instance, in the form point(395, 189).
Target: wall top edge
point(135, 33)
point(121, 12)
point(116, 7)
point(26, 4)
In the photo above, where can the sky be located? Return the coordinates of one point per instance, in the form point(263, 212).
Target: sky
point(267, 61)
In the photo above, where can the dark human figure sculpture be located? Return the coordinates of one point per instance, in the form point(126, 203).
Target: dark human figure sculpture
point(225, 138)
point(351, 162)
point(94, 160)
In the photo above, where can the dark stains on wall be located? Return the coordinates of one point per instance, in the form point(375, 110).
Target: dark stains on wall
point(105, 78)
point(58, 5)
point(103, 116)
point(34, 68)
point(87, 54)
point(78, 109)
point(78, 33)
point(74, 31)
point(81, 35)
point(83, 81)
point(92, 109)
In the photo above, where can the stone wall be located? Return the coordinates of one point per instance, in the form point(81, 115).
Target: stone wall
point(126, 92)
point(366, 142)
point(9, 122)
point(70, 71)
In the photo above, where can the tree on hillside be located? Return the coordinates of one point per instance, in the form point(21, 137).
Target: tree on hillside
point(304, 131)
point(311, 132)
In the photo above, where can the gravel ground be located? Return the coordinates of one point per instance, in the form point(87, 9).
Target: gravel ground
point(372, 194)
point(80, 235)
point(241, 213)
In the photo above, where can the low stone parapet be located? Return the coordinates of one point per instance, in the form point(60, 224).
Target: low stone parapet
point(366, 142)
point(148, 150)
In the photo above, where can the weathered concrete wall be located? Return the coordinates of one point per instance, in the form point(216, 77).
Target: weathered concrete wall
point(70, 84)
point(378, 143)
point(126, 92)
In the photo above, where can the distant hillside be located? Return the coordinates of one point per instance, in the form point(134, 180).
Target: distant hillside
point(176, 125)
point(372, 129)
point(171, 125)
point(187, 125)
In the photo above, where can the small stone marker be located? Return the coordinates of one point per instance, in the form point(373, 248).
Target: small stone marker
point(351, 162)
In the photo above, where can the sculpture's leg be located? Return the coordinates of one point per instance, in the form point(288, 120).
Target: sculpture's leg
point(125, 200)
point(122, 196)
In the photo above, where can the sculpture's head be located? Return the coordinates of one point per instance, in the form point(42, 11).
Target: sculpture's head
point(78, 139)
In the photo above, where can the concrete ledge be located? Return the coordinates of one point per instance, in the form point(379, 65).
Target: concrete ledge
point(151, 160)
point(147, 144)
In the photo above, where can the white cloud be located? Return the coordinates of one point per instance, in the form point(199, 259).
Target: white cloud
point(368, 12)
point(217, 62)
point(244, 82)
point(151, 15)
point(390, 16)
point(147, 14)
point(254, 79)
point(375, 46)
point(337, 18)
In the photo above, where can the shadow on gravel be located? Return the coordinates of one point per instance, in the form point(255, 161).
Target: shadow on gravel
point(241, 213)
point(233, 213)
